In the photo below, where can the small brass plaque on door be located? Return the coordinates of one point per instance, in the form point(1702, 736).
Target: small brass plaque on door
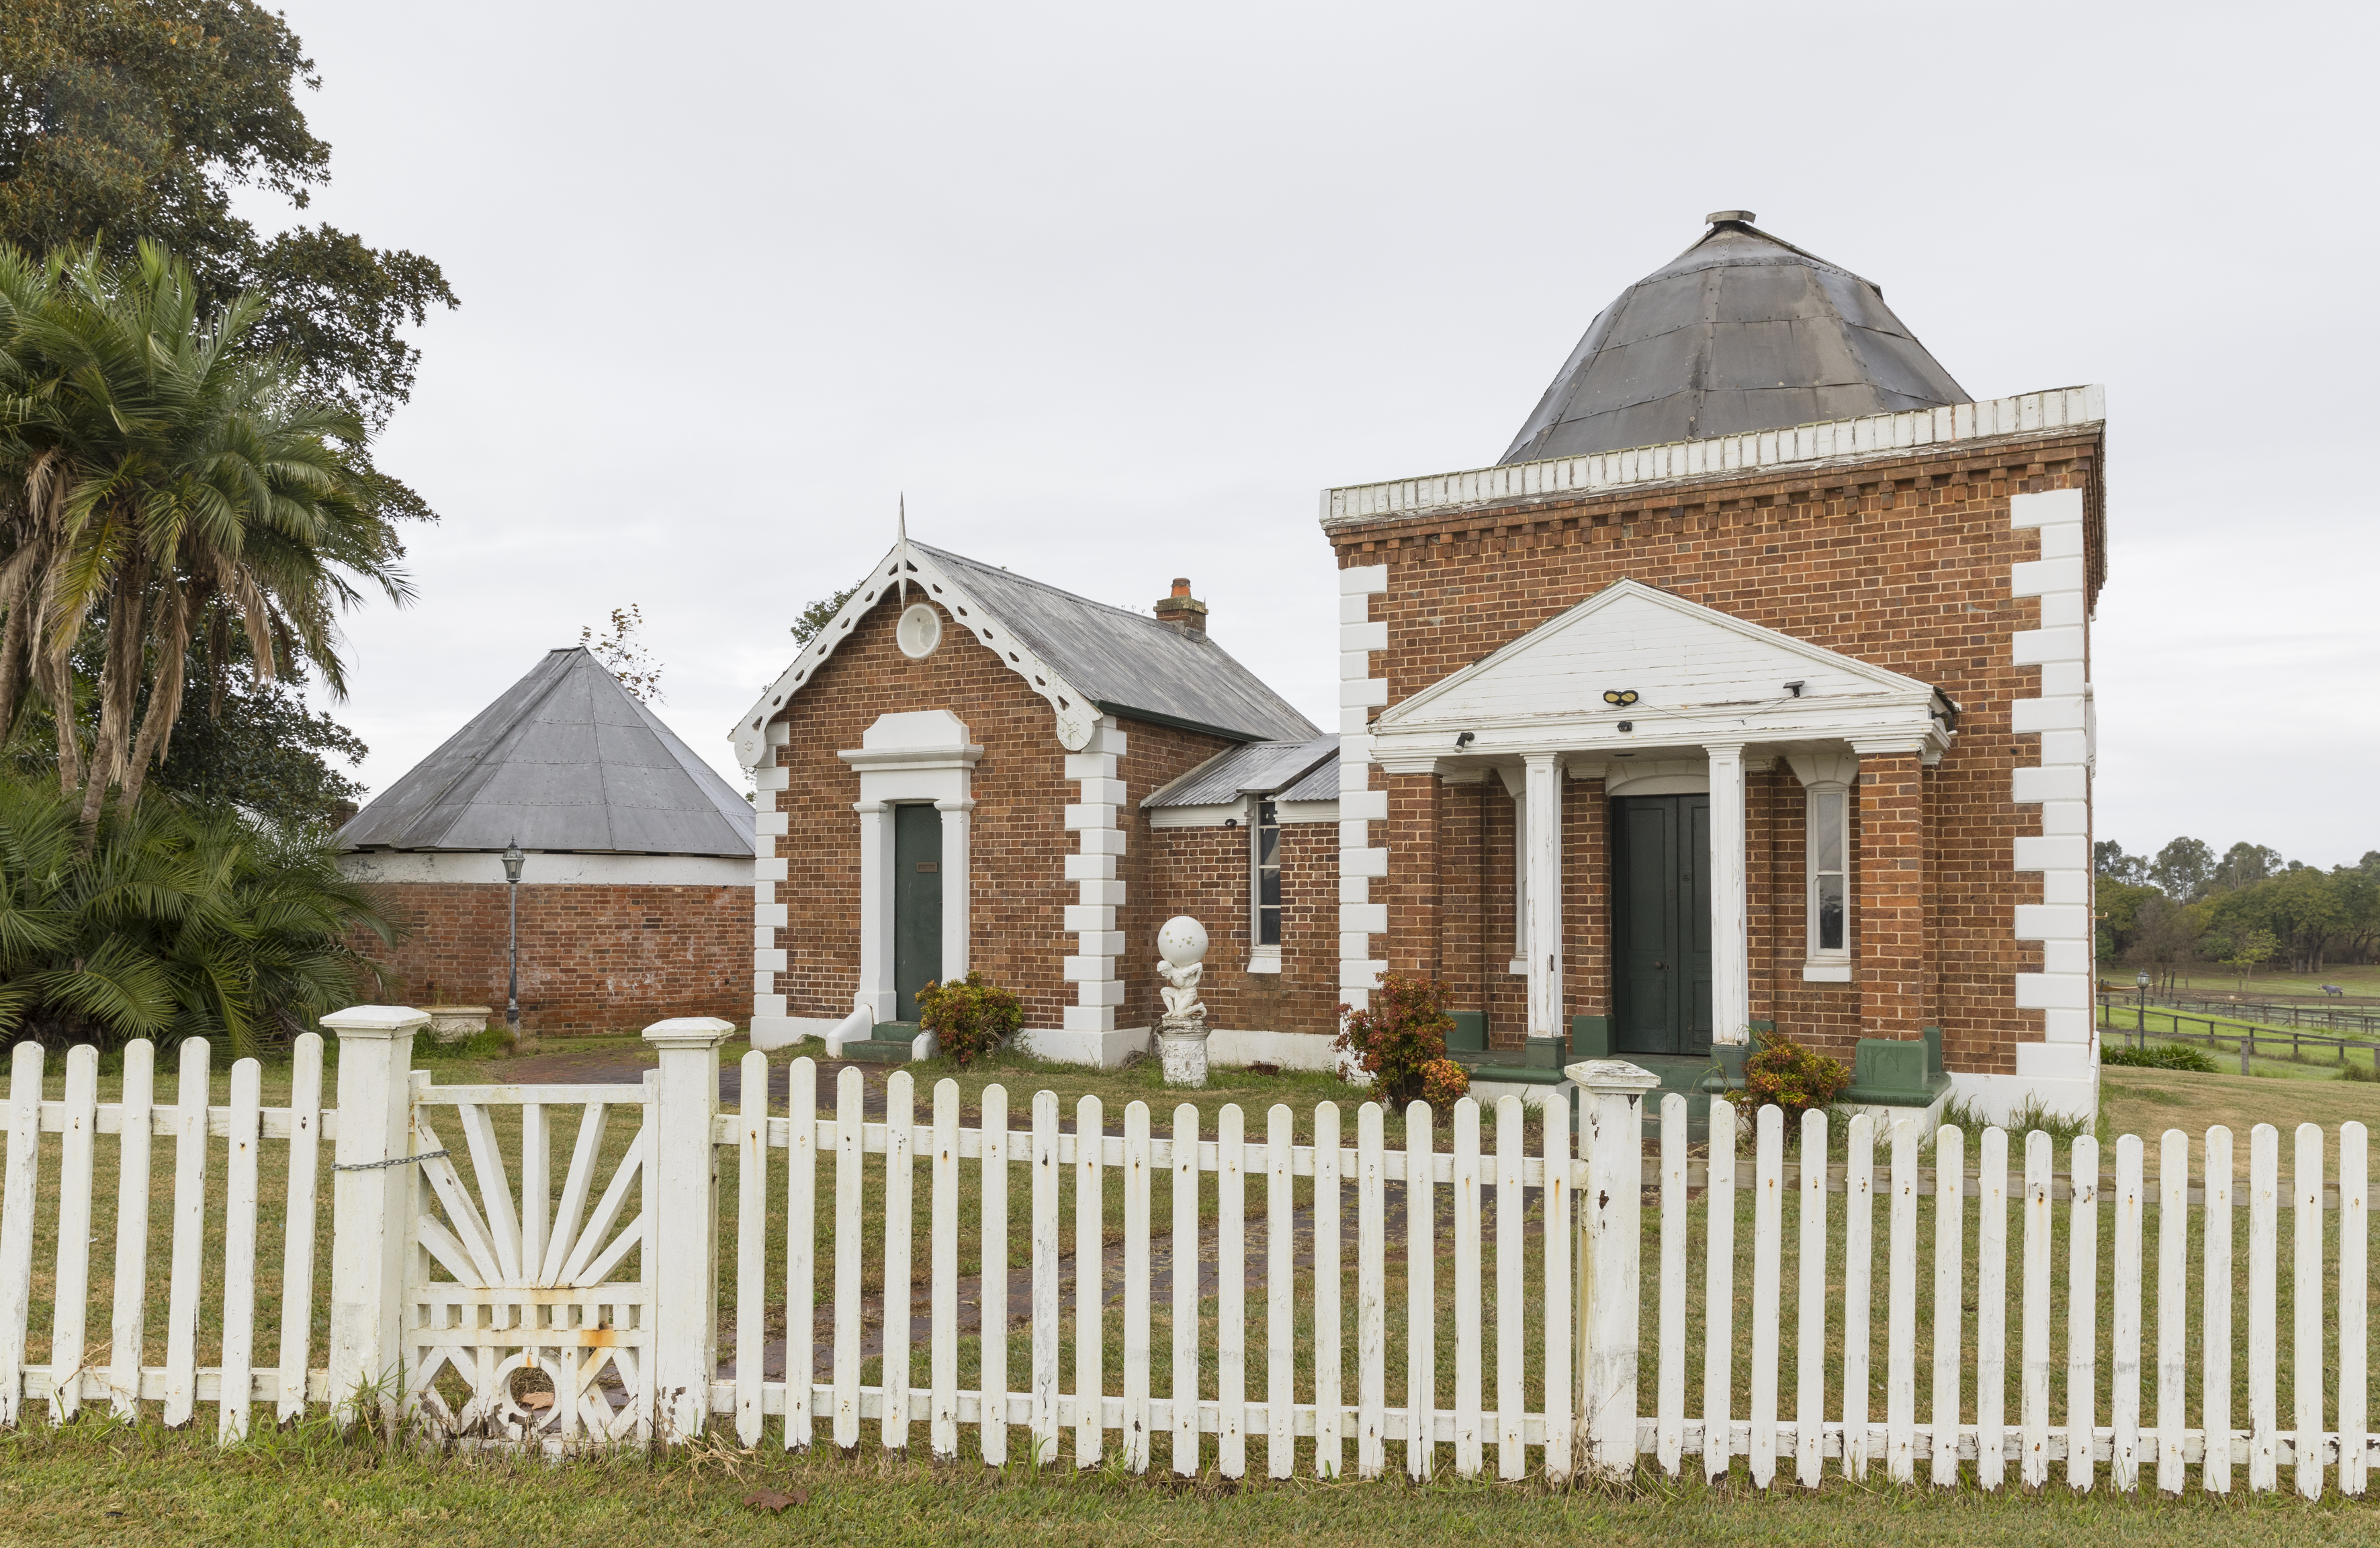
point(929, 867)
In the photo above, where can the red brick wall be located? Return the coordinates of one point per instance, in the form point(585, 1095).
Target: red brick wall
point(1204, 872)
point(1018, 842)
point(1903, 564)
point(593, 959)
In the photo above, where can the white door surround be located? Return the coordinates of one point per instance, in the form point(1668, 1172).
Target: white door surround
point(1712, 696)
point(918, 756)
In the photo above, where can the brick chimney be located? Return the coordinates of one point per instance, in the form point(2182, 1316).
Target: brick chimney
point(1181, 610)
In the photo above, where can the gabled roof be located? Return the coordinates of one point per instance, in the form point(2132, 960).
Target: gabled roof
point(1086, 658)
point(565, 759)
point(1258, 768)
point(1740, 331)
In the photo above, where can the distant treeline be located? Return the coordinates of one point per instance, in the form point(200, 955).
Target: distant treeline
point(2183, 905)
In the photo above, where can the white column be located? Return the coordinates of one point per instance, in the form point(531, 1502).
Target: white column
point(371, 1220)
point(768, 868)
point(1359, 805)
point(958, 885)
point(1543, 777)
point(876, 989)
point(1611, 1143)
point(2063, 1068)
point(1730, 948)
point(684, 1245)
point(1098, 818)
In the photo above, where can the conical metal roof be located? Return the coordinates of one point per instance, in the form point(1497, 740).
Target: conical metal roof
point(1740, 331)
point(564, 759)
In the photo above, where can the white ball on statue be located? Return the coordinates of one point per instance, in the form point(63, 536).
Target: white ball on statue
point(1181, 941)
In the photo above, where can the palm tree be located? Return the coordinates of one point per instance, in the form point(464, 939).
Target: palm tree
point(173, 488)
point(175, 921)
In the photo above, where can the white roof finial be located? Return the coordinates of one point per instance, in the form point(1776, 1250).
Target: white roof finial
point(900, 559)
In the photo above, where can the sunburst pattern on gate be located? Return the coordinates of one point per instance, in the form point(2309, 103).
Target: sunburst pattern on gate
point(509, 1286)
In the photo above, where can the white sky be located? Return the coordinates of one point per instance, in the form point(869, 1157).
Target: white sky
point(1112, 291)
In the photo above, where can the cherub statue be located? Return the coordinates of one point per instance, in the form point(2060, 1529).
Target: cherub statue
point(1183, 944)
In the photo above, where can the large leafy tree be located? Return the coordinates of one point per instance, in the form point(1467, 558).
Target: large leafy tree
point(125, 120)
point(177, 922)
point(180, 489)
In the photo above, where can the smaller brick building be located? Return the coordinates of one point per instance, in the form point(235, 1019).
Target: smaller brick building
point(637, 889)
point(951, 778)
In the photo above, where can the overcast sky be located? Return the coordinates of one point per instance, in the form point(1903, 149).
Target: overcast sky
point(1112, 291)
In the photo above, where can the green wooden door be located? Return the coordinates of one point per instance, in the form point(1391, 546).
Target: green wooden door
point(916, 904)
point(1660, 915)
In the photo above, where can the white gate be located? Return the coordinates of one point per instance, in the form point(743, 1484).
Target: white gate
point(509, 1283)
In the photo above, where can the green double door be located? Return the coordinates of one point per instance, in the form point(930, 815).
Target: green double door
point(1660, 918)
point(916, 904)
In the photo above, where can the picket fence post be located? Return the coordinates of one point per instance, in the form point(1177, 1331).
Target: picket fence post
point(682, 1236)
point(1612, 1139)
point(371, 1214)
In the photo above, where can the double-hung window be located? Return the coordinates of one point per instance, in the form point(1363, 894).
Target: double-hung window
point(1264, 854)
point(1828, 846)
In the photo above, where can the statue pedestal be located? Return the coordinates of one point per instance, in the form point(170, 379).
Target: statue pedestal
point(1182, 1050)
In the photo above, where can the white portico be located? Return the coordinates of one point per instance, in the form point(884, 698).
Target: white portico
point(1654, 695)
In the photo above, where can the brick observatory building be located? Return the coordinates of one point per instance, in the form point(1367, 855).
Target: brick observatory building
point(1749, 689)
point(636, 882)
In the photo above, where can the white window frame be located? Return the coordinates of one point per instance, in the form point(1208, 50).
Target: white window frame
point(1823, 963)
point(1262, 959)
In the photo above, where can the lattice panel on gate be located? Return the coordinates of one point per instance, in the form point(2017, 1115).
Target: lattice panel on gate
point(510, 1295)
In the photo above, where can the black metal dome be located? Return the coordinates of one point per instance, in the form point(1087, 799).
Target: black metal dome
point(1740, 331)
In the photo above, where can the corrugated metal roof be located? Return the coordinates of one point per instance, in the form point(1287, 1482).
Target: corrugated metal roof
point(1128, 662)
point(1259, 768)
point(564, 759)
point(1320, 784)
point(1740, 331)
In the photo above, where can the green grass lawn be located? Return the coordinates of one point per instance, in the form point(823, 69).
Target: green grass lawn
point(101, 1483)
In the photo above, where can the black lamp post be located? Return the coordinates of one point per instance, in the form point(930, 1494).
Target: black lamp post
point(512, 859)
point(2142, 980)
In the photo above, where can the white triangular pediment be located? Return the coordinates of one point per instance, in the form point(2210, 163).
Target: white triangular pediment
point(1674, 654)
point(926, 580)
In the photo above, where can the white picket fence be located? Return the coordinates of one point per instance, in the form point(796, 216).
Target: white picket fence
point(439, 1282)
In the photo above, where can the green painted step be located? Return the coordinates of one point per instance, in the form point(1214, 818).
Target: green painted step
point(881, 1048)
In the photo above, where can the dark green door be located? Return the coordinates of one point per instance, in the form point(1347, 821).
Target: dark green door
point(916, 904)
point(1661, 918)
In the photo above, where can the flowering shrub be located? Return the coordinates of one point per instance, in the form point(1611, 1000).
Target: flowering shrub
point(969, 1019)
point(1796, 1078)
point(1444, 1083)
point(1398, 1038)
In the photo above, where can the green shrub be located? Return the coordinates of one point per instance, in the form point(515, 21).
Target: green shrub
point(971, 1018)
point(173, 920)
point(1795, 1078)
point(1396, 1039)
point(2349, 1070)
point(2163, 1055)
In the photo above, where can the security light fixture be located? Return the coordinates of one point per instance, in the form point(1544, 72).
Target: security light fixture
point(1463, 740)
point(1628, 725)
point(1796, 685)
point(1623, 697)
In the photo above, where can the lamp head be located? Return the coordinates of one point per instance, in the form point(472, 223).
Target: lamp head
point(512, 859)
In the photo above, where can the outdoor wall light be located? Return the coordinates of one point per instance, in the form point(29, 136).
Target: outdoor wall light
point(1628, 725)
point(1623, 697)
point(1464, 739)
point(1796, 685)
